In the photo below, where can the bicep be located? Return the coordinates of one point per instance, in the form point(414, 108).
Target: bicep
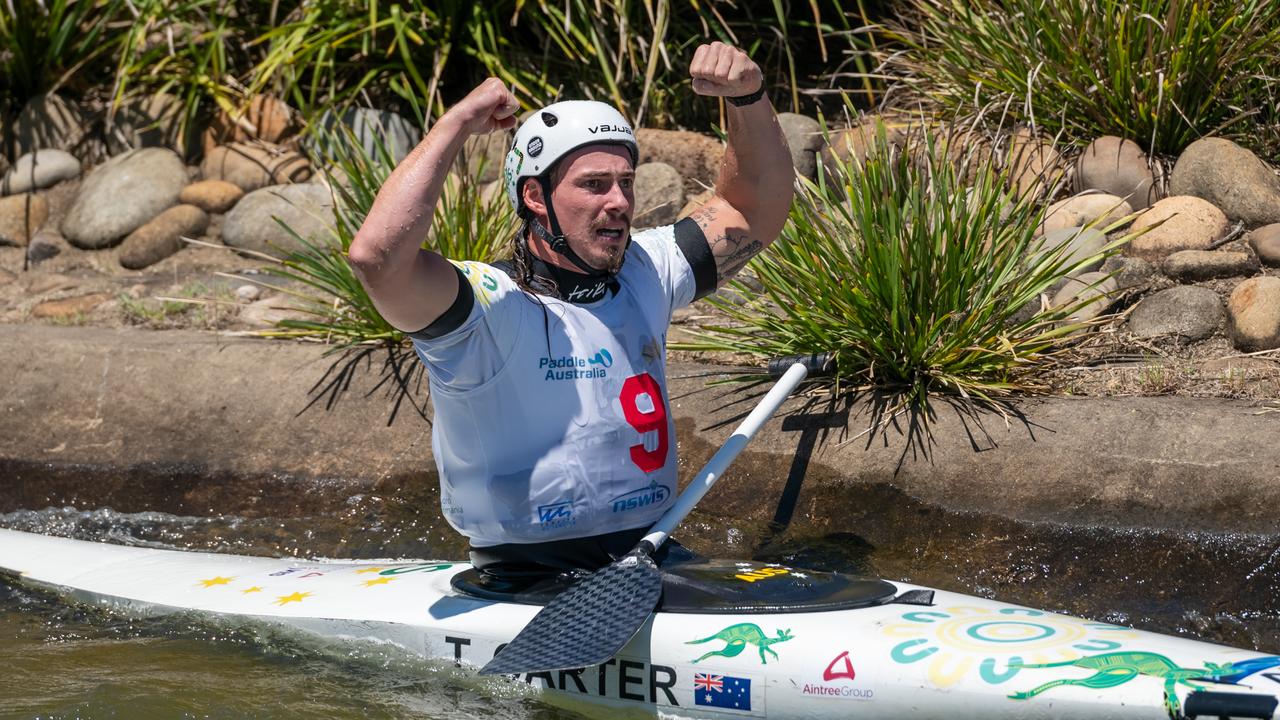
point(412, 296)
point(729, 237)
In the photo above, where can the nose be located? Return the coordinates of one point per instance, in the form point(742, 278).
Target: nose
point(618, 199)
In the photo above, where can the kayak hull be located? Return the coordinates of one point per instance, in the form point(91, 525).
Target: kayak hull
point(961, 657)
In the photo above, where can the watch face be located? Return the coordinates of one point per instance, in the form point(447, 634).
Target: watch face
point(534, 147)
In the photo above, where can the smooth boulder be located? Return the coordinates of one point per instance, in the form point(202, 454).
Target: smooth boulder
point(804, 138)
point(50, 122)
point(696, 157)
point(1035, 166)
point(148, 121)
point(1082, 245)
point(1201, 265)
point(212, 196)
point(251, 166)
point(1183, 222)
point(367, 129)
point(659, 193)
point(1265, 241)
point(38, 170)
point(265, 118)
point(1117, 167)
point(1254, 314)
point(21, 216)
point(1099, 210)
point(162, 236)
point(1185, 311)
point(1230, 177)
point(1089, 295)
point(121, 195)
point(252, 226)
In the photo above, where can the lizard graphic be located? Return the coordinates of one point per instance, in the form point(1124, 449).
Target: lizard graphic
point(1118, 668)
point(738, 637)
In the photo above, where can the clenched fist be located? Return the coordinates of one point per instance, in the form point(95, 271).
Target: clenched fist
point(723, 70)
point(489, 107)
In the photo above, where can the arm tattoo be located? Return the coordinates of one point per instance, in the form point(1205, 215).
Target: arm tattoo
point(732, 252)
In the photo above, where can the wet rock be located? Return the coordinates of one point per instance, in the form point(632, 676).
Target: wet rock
point(1129, 272)
point(804, 138)
point(1094, 289)
point(1035, 167)
point(1177, 223)
point(1265, 241)
point(46, 244)
point(1099, 209)
point(659, 192)
point(1118, 167)
point(213, 196)
point(1081, 245)
point(38, 170)
point(367, 129)
point(121, 195)
point(254, 166)
point(150, 121)
point(69, 308)
point(696, 157)
point(1253, 312)
point(266, 119)
point(1230, 177)
point(49, 122)
point(483, 156)
point(162, 236)
point(1187, 311)
point(696, 202)
point(306, 208)
point(20, 217)
point(1199, 265)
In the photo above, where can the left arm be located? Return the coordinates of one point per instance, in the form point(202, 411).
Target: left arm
point(753, 192)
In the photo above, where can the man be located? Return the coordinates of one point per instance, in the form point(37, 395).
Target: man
point(551, 433)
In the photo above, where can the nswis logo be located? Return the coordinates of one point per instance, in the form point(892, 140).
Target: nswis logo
point(651, 494)
point(573, 367)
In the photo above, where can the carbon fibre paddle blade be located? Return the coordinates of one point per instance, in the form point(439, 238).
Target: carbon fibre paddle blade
point(588, 623)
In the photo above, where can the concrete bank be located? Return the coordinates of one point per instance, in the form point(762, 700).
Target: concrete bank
point(196, 423)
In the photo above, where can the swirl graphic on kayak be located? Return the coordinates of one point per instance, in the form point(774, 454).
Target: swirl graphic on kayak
point(737, 637)
point(997, 643)
point(1118, 668)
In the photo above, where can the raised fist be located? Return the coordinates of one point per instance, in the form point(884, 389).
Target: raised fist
point(723, 70)
point(489, 107)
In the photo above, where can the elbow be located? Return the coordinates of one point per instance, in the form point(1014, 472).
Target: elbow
point(363, 258)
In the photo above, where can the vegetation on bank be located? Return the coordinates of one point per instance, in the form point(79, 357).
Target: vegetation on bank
point(915, 265)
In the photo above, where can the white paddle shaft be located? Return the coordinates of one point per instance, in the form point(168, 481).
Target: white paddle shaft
point(710, 472)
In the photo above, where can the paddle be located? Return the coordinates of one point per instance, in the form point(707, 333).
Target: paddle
point(592, 620)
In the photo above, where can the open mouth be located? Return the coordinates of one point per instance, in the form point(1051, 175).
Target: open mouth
point(610, 233)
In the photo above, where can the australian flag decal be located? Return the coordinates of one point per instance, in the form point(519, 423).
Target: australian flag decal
point(722, 691)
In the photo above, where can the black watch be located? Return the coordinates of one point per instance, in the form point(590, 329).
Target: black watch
point(744, 100)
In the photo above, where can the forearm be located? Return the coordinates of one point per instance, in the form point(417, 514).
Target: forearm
point(756, 175)
point(402, 212)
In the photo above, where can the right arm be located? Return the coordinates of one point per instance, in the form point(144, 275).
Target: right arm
point(409, 286)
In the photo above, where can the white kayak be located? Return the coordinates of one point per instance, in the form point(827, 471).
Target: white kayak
point(945, 655)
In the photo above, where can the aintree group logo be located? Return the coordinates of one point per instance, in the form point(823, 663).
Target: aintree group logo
point(837, 681)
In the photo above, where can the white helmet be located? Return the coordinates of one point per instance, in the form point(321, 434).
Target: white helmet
point(556, 131)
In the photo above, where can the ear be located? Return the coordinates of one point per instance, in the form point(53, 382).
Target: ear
point(531, 193)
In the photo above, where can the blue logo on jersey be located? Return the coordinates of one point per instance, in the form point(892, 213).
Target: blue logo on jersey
point(651, 494)
point(556, 515)
point(572, 367)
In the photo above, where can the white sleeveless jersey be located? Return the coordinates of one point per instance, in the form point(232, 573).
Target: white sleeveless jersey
point(551, 419)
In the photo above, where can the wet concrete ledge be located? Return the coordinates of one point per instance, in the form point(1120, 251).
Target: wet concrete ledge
point(199, 423)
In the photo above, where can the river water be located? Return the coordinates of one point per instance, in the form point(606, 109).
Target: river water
point(65, 661)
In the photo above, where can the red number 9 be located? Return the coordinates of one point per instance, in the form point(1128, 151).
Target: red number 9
point(648, 419)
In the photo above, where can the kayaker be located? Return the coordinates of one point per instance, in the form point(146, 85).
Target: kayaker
point(552, 434)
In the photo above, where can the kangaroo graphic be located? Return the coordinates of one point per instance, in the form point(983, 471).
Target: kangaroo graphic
point(1118, 668)
point(738, 637)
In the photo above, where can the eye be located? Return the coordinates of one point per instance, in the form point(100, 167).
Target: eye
point(626, 183)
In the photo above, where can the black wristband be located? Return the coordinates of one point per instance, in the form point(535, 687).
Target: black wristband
point(744, 100)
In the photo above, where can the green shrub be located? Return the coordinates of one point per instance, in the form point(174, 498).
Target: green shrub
point(1160, 72)
point(911, 267)
point(46, 44)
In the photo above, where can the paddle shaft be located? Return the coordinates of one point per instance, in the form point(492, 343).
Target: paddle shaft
point(716, 466)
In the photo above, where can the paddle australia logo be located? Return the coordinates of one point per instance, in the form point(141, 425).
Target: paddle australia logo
point(839, 680)
point(574, 367)
point(556, 515)
point(651, 494)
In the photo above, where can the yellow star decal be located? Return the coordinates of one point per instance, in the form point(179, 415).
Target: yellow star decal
point(369, 570)
point(295, 597)
point(219, 580)
point(253, 589)
point(378, 581)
